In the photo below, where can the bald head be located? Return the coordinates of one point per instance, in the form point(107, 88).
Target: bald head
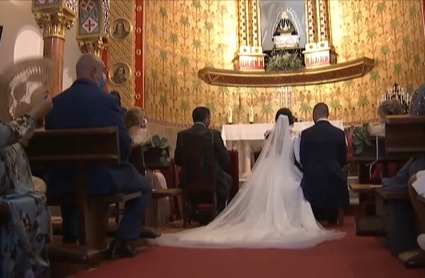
point(320, 110)
point(90, 66)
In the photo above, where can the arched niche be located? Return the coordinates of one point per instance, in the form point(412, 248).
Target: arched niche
point(320, 62)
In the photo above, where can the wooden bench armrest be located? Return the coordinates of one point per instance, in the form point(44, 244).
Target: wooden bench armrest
point(69, 200)
point(364, 188)
point(393, 195)
point(161, 193)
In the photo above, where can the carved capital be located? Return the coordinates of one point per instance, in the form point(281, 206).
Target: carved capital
point(94, 46)
point(55, 24)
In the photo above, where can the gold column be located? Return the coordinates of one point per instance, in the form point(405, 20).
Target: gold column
point(312, 29)
point(250, 56)
point(54, 18)
point(93, 26)
point(318, 51)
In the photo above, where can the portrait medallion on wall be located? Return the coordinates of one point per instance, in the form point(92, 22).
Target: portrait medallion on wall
point(121, 28)
point(120, 73)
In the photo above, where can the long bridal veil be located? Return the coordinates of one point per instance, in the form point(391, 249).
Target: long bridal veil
point(269, 211)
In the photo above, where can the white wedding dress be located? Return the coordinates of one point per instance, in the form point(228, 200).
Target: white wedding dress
point(269, 211)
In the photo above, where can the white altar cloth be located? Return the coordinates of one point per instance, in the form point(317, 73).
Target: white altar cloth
point(242, 136)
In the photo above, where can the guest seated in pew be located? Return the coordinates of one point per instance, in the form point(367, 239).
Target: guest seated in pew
point(202, 117)
point(386, 108)
point(24, 237)
point(415, 164)
point(136, 125)
point(417, 188)
point(117, 94)
point(86, 105)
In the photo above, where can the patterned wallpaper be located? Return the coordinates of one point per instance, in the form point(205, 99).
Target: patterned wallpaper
point(184, 36)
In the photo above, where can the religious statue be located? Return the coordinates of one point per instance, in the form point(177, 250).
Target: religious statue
point(285, 26)
point(120, 75)
point(286, 33)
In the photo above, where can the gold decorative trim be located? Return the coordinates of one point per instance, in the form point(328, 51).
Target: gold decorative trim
point(55, 24)
point(126, 76)
point(333, 73)
point(128, 29)
point(92, 46)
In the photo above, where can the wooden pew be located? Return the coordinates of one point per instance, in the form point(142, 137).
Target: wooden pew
point(81, 148)
point(404, 138)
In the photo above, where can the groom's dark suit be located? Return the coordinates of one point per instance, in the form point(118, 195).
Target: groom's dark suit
point(222, 160)
point(323, 155)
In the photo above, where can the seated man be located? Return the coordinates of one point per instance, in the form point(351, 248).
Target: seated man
point(86, 105)
point(417, 188)
point(201, 117)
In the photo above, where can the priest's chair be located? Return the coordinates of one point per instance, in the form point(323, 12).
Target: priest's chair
point(198, 176)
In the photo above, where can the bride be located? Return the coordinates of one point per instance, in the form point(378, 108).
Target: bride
point(269, 211)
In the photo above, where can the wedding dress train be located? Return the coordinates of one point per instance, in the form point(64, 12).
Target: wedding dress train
point(269, 211)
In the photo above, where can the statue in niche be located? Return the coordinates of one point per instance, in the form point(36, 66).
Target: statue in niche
point(285, 26)
point(283, 18)
point(286, 34)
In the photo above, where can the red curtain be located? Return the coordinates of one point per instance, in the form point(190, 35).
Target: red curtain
point(139, 78)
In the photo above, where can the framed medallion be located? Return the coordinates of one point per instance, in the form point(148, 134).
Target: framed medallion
point(120, 73)
point(121, 28)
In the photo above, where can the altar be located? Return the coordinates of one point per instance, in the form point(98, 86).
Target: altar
point(248, 137)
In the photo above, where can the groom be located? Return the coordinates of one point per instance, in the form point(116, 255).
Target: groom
point(323, 155)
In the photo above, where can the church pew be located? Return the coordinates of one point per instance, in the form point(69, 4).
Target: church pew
point(399, 217)
point(81, 148)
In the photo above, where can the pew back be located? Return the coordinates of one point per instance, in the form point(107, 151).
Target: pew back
point(405, 135)
point(80, 148)
point(91, 146)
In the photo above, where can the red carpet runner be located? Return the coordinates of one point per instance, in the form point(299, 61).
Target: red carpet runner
point(351, 257)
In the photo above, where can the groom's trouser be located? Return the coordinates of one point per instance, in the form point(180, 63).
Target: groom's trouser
point(323, 214)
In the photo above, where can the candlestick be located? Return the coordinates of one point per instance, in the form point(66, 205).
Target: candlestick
point(251, 114)
point(230, 116)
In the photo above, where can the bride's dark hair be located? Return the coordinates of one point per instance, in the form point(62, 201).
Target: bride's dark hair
point(285, 112)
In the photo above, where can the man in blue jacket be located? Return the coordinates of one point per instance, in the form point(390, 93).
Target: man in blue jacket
point(86, 105)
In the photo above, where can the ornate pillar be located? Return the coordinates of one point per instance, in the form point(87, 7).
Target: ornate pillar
point(54, 17)
point(250, 56)
point(93, 26)
point(318, 51)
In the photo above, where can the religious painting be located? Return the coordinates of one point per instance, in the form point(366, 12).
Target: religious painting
point(283, 24)
point(120, 29)
point(120, 73)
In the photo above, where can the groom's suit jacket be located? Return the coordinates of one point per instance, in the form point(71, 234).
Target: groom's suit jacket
point(222, 157)
point(323, 156)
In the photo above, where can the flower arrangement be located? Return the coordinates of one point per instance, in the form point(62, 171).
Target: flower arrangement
point(361, 138)
point(156, 150)
point(285, 61)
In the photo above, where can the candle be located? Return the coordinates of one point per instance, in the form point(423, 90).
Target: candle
point(251, 114)
point(230, 116)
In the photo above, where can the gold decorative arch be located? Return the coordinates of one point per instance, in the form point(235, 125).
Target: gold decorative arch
point(319, 54)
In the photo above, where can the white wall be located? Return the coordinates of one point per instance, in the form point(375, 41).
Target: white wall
point(22, 38)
